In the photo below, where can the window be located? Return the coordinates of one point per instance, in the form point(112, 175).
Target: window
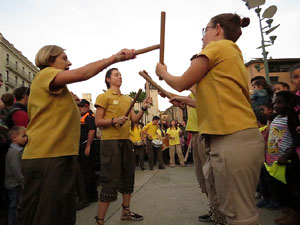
point(29, 75)
point(23, 83)
point(16, 65)
point(7, 75)
point(7, 59)
point(16, 80)
point(274, 79)
point(23, 70)
point(6, 89)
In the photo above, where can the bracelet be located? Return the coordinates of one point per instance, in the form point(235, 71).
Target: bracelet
point(144, 109)
point(112, 121)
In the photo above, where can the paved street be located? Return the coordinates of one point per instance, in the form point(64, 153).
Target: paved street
point(163, 197)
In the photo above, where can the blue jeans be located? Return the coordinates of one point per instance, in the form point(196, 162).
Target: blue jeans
point(13, 204)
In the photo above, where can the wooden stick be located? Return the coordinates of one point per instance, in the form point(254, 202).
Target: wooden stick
point(141, 51)
point(133, 102)
point(162, 38)
point(149, 79)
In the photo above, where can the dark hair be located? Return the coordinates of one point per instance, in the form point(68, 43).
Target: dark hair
point(107, 75)
point(258, 78)
point(293, 68)
point(8, 99)
point(176, 124)
point(155, 118)
point(268, 105)
point(262, 118)
point(265, 85)
point(20, 92)
point(231, 24)
point(285, 94)
point(286, 85)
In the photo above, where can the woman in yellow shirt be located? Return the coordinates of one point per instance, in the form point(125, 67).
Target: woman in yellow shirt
point(48, 163)
point(225, 118)
point(173, 133)
point(116, 157)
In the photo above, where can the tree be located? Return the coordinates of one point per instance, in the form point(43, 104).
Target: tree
point(141, 98)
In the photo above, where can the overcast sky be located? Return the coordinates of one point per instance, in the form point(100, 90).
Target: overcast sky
point(94, 29)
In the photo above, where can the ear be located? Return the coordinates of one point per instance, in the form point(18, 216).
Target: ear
point(219, 30)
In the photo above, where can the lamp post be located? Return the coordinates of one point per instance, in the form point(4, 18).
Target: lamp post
point(267, 14)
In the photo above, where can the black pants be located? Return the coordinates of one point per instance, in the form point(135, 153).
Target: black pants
point(150, 153)
point(49, 193)
point(117, 169)
point(88, 167)
point(276, 190)
point(140, 152)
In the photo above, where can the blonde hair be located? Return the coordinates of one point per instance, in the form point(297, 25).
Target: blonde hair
point(47, 55)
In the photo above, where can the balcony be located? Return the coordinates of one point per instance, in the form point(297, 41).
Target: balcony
point(11, 83)
point(19, 71)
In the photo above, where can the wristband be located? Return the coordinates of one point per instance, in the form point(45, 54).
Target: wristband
point(144, 109)
point(112, 121)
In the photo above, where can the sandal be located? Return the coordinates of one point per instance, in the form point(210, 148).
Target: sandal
point(130, 215)
point(99, 221)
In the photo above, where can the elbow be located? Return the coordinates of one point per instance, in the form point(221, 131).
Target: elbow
point(98, 123)
point(181, 88)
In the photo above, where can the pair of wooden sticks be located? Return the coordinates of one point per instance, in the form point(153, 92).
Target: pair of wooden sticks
point(144, 74)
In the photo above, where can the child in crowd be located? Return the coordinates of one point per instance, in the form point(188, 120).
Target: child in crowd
point(281, 86)
point(267, 110)
point(13, 175)
point(262, 94)
point(293, 168)
point(279, 149)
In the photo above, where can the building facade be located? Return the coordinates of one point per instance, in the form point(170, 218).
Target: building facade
point(278, 69)
point(16, 70)
point(153, 110)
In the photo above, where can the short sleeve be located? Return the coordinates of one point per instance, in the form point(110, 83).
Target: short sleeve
point(102, 101)
point(90, 122)
point(46, 77)
point(213, 52)
point(168, 131)
point(146, 127)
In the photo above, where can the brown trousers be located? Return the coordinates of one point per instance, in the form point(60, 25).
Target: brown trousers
point(232, 171)
point(49, 193)
point(199, 159)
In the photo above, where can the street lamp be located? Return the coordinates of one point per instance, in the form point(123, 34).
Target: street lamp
point(267, 14)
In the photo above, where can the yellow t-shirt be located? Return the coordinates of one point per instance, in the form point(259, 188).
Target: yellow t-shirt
point(115, 105)
point(174, 133)
point(160, 133)
point(223, 101)
point(54, 119)
point(151, 129)
point(135, 134)
point(192, 123)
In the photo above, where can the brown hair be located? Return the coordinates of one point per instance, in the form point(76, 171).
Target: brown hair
point(231, 24)
point(108, 75)
point(47, 55)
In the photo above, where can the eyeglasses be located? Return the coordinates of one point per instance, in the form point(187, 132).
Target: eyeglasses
point(204, 30)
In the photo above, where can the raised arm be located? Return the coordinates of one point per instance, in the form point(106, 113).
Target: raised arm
point(86, 72)
point(194, 74)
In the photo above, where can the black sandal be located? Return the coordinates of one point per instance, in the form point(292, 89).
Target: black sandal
point(130, 215)
point(98, 220)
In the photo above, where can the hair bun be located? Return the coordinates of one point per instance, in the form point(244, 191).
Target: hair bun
point(245, 22)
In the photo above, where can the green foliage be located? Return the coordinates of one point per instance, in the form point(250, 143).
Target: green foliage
point(141, 98)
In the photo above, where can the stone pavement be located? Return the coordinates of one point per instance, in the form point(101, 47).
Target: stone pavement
point(163, 197)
